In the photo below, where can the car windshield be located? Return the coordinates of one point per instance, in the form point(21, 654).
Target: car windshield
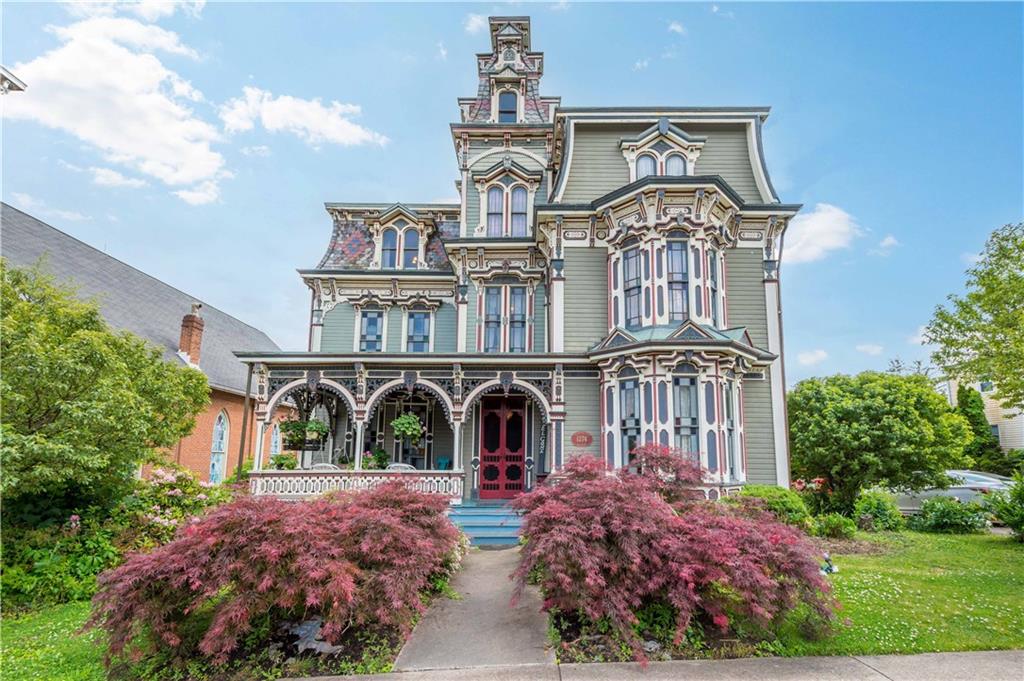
point(975, 477)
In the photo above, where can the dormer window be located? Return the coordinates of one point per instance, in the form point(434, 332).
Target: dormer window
point(645, 165)
point(519, 211)
point(389, 249)
point(675, 165)
point(508, 109)
point(495, 211)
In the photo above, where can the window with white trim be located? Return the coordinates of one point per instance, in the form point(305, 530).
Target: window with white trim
point(389, 249)
point(728, 399)
point(678, 279)
point(219, 447)
point(418, 338)
point(646, 165)
point(713, 286)
point(675, 165)
point(410, 248)
point(519, 211)
point(495, 211)
point(492, 319)
point(371, 331)
point(629, 412)
point(631, 286)
point(508, 107)
point(517, 319)
point(685, 409)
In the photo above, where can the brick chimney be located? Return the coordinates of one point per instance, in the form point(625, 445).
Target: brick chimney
point(191, 335)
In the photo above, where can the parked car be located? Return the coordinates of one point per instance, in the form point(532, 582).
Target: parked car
point(966, 487)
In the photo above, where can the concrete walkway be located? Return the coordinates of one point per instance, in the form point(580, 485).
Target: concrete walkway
point(979, 666)
point(481, 629)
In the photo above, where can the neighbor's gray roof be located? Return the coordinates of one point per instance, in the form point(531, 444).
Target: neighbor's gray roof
point(130, 299)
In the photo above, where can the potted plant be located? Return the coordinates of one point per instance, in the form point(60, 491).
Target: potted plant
point(296, 433)
point(407, 426)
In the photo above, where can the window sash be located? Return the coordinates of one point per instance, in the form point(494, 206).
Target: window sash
point(519, 211)
point(508, 107)
point(410, 249)
point(517, 319)
point(645, 165)
point(370, 331)
point(492, 319)
point(495, 211)
point(678, 281)
point(629, 416)
point(418, 332)
point(389, 250)
point(675, 165)
point(713, 286)
point(631, 284)
point(686, 413)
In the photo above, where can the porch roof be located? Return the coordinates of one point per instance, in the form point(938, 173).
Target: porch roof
point(407, 358)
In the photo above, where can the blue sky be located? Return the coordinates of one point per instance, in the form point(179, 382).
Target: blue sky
point(199, 143)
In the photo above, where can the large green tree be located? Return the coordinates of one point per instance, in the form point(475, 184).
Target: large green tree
point(980, 335)
point(81, 406)
point(873, 429)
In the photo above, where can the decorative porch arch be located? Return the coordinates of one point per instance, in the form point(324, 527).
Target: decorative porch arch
point(497, 385)
point(404, 384)
point(326, 383)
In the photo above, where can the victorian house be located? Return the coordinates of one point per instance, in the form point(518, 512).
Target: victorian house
point(609, 277)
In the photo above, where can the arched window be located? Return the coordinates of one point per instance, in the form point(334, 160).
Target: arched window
point(519, 211)
point(645, 165)
point(675, 165)
point(219, 447)
point(410, 249)
point(508, 111)
point(495, 210)
point(275, 440)
point(389, 250)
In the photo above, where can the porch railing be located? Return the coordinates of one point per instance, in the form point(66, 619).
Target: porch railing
point(301, 484)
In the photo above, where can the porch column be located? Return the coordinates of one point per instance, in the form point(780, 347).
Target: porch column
point(457, 440)
point(556, 316)
point(359, 445)
point(257, 459)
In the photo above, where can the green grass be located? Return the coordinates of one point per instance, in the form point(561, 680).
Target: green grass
point(930, 593)
point(44, 645)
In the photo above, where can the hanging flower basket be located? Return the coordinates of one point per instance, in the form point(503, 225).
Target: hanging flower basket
point(296, 434)
point(408, 426)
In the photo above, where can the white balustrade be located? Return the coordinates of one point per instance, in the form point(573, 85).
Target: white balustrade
point(301, 484)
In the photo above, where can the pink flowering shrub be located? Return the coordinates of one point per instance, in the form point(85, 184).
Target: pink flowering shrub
point(355, 560)
point(604, 545)
point(168, 499)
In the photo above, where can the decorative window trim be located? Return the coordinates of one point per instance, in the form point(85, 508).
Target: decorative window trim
point(514, 87)
point(358, 330)
point(401, 230)
point(672, 140)
point(505, 323)
point(493, 178)
point(431, 319)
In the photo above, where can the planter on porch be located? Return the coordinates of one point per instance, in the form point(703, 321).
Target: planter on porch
point(301, 484)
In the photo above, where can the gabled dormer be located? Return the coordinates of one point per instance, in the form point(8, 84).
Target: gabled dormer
point(663, 150)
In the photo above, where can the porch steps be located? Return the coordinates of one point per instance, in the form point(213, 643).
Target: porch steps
point(487, 524)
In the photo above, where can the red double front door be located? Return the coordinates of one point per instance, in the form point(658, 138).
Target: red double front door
point(502, 447)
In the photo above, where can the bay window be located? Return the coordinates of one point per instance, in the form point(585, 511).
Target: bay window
point(629, 413)
point(631, 286)
point(728, 399)
point(678, 281)
point(685, 410)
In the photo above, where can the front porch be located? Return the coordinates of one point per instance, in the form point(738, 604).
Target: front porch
point(303, 484)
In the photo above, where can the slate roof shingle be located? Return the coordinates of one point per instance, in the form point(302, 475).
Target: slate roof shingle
point(130, 299)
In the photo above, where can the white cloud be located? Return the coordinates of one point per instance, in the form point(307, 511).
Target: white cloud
point(970, 259)
point(31, 204)
point(812, 357)
point(148, 10)
point(107, 177)
point(676, 27)
point(442, 51)
point(309, 119)
point(200, 195)
point(870, 349)
point(257, 150)
point(641, 64)
point(885, 246)
point(725, 14)
point(560, 6)
point(69, 166)
point(812, 236)
point(475, 23)
point(105, 86)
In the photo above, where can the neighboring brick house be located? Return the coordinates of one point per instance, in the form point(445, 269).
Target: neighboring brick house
point(609, 276)
point(189, 333)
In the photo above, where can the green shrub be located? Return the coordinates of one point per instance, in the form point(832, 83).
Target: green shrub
point(784, 503)
point(1008, 506)
point(947, 515)
point(833, 526)
point(285, 461)
point(880, 511)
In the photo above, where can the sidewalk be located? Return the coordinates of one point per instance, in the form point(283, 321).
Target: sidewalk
point(975, 666)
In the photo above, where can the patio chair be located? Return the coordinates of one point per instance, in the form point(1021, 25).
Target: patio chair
point(442, 463)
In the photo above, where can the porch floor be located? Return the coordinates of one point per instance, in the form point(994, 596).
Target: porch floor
point(481, 629)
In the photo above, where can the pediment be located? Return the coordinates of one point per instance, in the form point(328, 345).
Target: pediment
point(617, 338)
point(690, 331)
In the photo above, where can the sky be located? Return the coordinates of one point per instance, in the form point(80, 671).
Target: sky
point(199, 142)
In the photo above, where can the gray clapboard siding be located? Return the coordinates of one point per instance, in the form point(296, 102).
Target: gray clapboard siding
point(395, 342)
point(586, 297)
point(744, 288)
point(471, 318)
point(445, 334)
point(472, 209)
point(540, 319)
point(598, 166)
point(726, 154)
point(759, 431)
point(339, 329)
point(582, 413)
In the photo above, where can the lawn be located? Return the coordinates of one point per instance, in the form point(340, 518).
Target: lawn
point(926, 593)
point(929, 593)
